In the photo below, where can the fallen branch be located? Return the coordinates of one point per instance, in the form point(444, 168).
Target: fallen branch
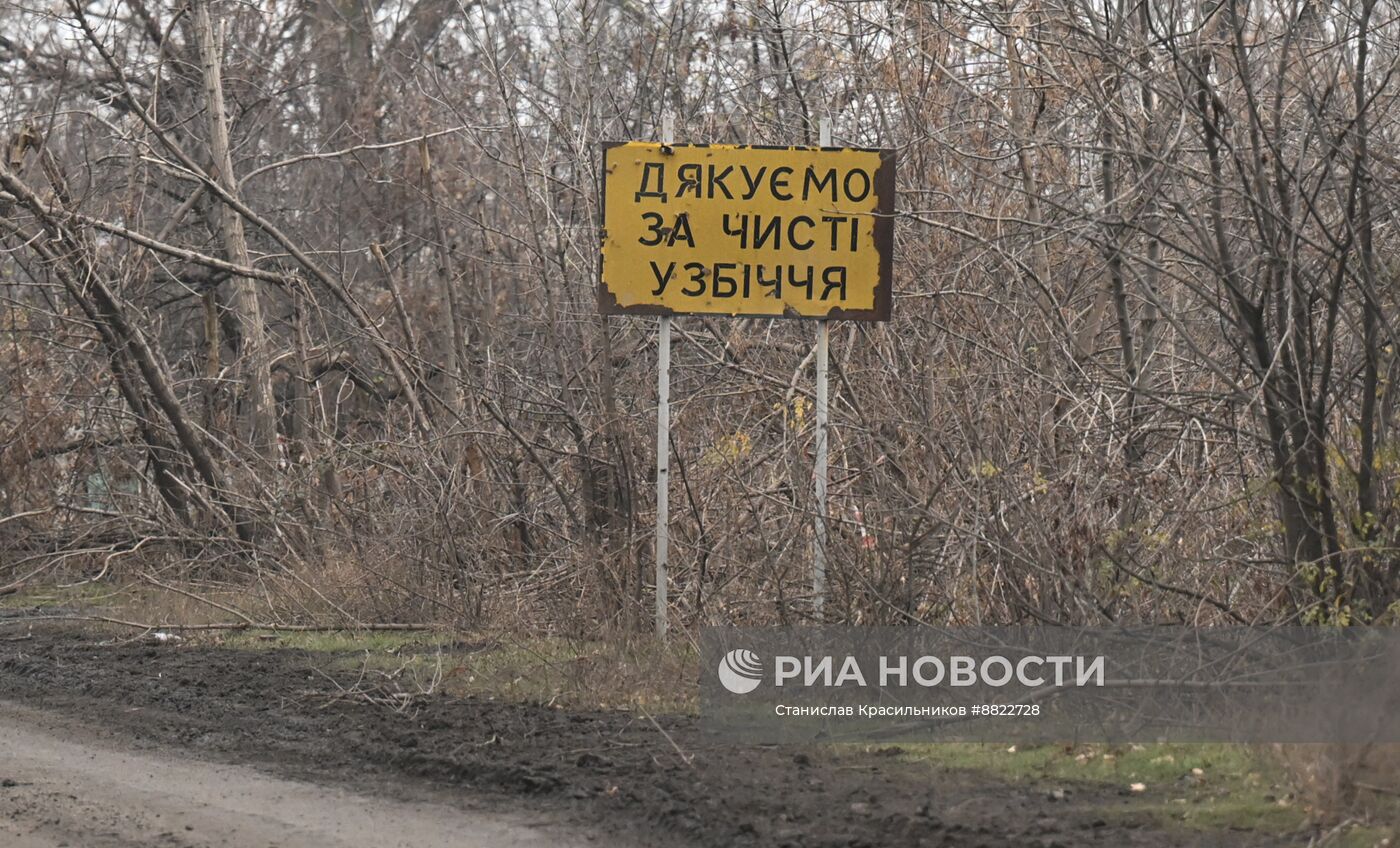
point(7, 519)
point(229, 625)
point(688, 759)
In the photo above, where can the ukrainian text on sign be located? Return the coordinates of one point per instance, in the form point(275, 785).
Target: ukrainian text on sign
point(736, 230)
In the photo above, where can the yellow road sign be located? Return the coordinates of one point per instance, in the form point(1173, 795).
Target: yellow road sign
point(737, 230)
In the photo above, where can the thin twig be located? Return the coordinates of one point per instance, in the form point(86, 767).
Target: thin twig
point(229, 625)
point(685, 758)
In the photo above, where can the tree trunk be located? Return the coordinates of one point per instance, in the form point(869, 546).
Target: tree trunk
point(254, 363)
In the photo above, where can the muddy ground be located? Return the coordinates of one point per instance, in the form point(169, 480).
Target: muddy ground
point(67, 785)
point(615, 774)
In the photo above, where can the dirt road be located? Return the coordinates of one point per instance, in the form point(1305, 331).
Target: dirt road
point(62, 786)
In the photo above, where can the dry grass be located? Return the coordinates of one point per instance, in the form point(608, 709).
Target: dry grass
point(1345, 782)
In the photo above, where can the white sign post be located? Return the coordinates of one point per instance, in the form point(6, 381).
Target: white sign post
point(819, 526)
point(663, 438)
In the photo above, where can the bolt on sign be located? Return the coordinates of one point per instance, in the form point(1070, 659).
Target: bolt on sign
point(797, 232)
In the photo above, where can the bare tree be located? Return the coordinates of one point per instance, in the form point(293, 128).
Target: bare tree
point(1140, 366)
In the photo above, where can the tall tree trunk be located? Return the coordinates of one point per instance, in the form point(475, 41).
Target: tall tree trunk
point(447, 275)
point(254, 363)
point(1056, 402)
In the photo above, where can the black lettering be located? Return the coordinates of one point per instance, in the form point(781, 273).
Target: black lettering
point(742, 233)
point(660, 191)
point(717, 180)
point(752, 181)
point(689, 175)
point(662, 279)
point(864, 185)
point(658, 232)
point(697, 276)
point(730, 284)
point(835, 221)
point(776, 284)
point(806, 284)
point(834, 278)
point(762, 234)
point(810, 181)
point(792, 233)
point(681, 232)
point(774, 181)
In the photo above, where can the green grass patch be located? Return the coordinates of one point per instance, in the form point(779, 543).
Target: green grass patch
point(1158, 764)
point(582, 674)
point(1195, 787)
point(47, 598)
point(334, 641)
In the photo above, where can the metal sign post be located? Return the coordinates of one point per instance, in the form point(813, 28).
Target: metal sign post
point(819, 525)
point(663, 438)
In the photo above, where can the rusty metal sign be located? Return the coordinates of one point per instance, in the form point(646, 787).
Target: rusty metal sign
point(796, 232)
